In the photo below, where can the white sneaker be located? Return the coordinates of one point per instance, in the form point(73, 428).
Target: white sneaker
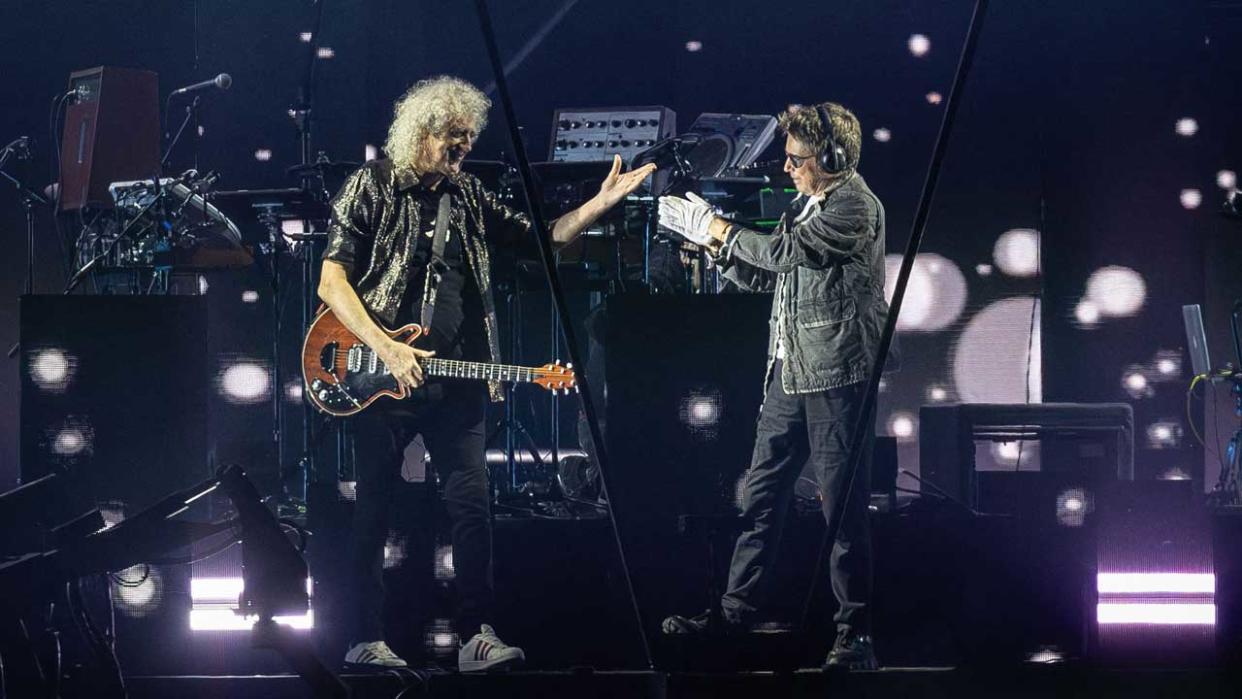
point(485, 651)
point(375, 654)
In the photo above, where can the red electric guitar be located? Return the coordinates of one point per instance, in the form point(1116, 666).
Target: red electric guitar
point(343, 376)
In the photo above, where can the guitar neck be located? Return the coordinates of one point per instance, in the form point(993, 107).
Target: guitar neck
point(452, 368)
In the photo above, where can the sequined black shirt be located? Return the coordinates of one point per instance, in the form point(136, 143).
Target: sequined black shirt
point(373, 233)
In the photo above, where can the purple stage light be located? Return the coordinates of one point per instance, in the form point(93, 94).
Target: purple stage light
point(1156, 613)
point(1153, 583)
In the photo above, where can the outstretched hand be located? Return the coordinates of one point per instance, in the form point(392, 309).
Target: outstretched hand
point(617, 185)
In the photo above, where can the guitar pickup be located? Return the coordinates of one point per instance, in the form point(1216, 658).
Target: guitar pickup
point(327, 358)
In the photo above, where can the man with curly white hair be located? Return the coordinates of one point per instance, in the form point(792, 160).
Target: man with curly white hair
point(376, 274)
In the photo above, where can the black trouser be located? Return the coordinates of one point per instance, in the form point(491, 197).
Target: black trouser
point(793, 429)
point(450, 418)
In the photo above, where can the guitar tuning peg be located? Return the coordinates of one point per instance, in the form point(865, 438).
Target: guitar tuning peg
point(558, 362)
point(569, 365)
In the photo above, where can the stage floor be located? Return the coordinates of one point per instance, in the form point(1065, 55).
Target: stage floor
point(1025, 681)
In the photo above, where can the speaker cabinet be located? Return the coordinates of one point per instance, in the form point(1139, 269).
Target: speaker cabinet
point(112, 133)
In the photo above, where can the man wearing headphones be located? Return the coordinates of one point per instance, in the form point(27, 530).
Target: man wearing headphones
point(825, 264)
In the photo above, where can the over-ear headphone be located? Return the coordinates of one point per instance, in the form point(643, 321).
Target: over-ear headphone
point(832, 159)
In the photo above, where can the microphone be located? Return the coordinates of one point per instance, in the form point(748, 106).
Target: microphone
point(666, 153)
point(222, 81)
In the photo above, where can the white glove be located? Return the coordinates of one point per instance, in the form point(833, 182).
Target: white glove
point(689, 217)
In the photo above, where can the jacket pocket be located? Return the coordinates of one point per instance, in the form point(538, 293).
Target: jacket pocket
point(825, 313)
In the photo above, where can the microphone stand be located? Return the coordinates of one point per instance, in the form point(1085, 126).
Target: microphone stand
point(29, 199)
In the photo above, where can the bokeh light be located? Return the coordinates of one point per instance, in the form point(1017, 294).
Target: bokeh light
point(1186, 126)
point(1117, 291)
point(1190, 198)
point(919, 45)
point(990, 358)
point(52, 369)
point(1016, 252)
point(935, 295)
point(244, 382)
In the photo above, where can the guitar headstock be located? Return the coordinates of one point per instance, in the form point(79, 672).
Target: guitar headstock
point(555, 377)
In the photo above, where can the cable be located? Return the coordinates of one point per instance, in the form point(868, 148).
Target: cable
point(196, 558)
point(303, 535)
point(123, 582)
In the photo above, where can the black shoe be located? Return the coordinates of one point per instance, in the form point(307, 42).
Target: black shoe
point(699, 625)
point(851, 651)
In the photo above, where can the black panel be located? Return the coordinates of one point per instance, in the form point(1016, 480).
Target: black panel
point(123, 408)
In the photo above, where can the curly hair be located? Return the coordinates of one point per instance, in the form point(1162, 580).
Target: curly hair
point(804, 124)
point(432, 106)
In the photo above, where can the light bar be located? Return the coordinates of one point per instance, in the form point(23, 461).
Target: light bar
point(214, 607)
point(1146, 583)
point(227, 620)
point(1156, 613)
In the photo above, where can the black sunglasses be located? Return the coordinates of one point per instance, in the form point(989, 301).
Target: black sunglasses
point(797, 160)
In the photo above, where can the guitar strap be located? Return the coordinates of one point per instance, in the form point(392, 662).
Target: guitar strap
point(436, 266)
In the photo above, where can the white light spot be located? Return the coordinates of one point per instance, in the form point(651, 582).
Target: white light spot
point(1087, 313)
point(700, 411)
point(1136, 384)
point(1007, 452)
point(901, 424)
point(1073, 506)
point(935, 295)
point(883, 135)
point(1164, 434)
point(1187, 127)
point(983, 270)
point(1168, 364)
point(293, 391)
point(1191, 198)
point(694, 46)
point(1117, 291)
point(1017, 252)
point(919, 45)
point(70, 441)
point(1227, 179)
point(990, 357)
point(305, 37)
point(245, 382)
point(442, 640)
point(135, 595)
point(444, 570)
point(203, 286)
point(250, 296)
point(937, 393)
point(325, 52)
point(934, 98)
point(51, 369)
point(1175, 474)
point(372, 152)
point(263, 155)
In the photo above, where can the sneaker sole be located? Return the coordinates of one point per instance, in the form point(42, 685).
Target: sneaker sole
point(506, 663)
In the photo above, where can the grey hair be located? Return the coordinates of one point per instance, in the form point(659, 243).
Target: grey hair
point(431, 107)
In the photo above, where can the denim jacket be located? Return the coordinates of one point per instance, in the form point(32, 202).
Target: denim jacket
point(827, 273)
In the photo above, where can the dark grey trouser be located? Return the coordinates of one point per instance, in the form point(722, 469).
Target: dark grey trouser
point(793, 429)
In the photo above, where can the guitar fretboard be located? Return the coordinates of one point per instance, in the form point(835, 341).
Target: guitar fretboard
point(453, 368)
point(364, 359)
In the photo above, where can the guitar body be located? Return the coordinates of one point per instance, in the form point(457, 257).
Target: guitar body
point(329, 380)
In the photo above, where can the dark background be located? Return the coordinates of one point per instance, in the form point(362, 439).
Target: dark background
point(1067, 126)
